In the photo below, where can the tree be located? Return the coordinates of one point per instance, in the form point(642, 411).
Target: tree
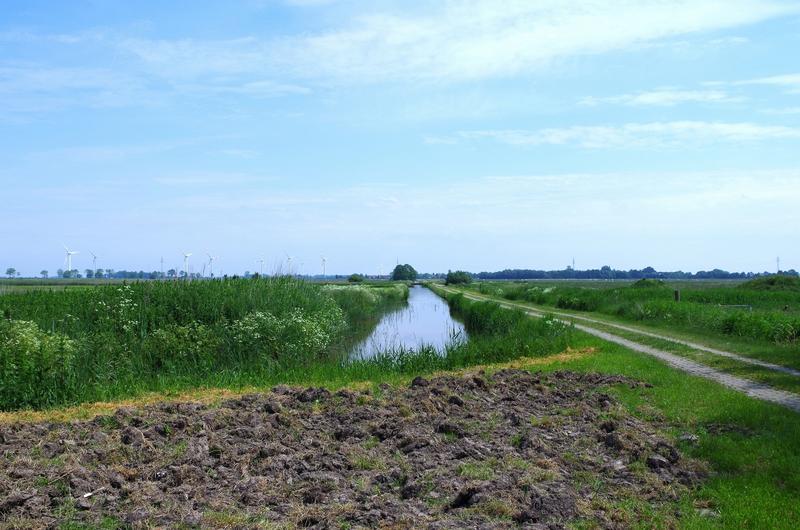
point(404, 272)
point(60, 273)
point(457, 277)
point(11, 272)
point(89, 273)
point(99, 273)
point(44, 273)
point(355, 278)
point(171, 273)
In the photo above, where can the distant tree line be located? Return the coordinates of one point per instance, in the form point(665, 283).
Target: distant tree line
point(607, 273)
point(123, 274)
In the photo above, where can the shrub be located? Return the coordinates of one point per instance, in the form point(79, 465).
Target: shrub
point(355, 278)
point(188, 348)
point(291, 336)
point(36, 367)
point(457, 277)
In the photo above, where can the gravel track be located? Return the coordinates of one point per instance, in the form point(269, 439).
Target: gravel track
point(740, 384)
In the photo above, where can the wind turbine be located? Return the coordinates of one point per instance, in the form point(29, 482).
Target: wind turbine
point(94, 261)
point(324, 261)
point(186, 263)
point(211, 263)
point(288, 263)
point(68, 258)
point(261, 269)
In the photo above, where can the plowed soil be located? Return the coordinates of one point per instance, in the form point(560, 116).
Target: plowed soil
point(490, 451)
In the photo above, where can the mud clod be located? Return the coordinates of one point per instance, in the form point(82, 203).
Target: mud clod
point(526, 452)
point(419, 381)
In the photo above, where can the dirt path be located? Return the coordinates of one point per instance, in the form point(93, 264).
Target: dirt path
point(746, 386)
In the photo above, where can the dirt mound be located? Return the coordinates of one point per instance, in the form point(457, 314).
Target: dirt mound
point(510, 449)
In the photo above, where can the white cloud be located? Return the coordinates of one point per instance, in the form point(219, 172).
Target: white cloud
point(261, 89)
point(783, 111)
point(34, 88)
point(789, 82)
point(456, 40)
point(637, 135)
point(666, 97)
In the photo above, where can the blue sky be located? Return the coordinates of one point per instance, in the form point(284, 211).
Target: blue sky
point(452, 134)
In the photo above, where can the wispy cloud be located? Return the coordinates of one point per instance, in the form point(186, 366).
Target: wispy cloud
point(27, 88)
point(665, 97)
point(454, 41)
point(789, 82)
point(194, 179)
point(435, 43)
point(782, 111)
point(634, 135)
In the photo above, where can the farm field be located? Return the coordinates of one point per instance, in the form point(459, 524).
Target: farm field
point(161, 409)
point(754, 320)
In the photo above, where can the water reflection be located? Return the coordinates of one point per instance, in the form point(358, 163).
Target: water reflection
point(424, 321)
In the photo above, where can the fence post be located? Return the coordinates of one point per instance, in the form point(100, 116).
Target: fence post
point(677, 295)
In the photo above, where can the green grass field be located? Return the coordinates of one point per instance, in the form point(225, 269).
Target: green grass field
point(748, 319)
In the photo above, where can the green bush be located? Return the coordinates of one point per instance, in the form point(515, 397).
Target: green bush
point(457, 277)
point(36, 367)
point(189, 348)
point(290, 336)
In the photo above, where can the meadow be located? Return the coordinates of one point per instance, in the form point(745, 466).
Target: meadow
point(756, 311)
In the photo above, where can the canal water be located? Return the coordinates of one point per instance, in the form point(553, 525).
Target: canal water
point(425, 321)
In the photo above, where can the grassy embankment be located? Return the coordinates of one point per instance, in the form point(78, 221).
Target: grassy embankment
point(112, 342)
point(752, 447)
point(769, 332)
